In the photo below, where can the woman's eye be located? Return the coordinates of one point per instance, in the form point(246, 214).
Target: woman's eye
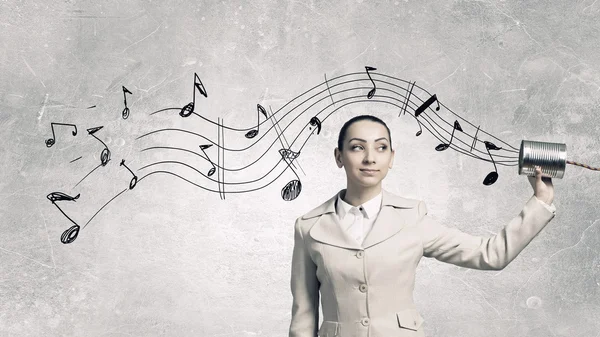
point(384, 147)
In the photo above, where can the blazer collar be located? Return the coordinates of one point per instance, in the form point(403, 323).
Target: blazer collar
point(370, 209)
point(389, 221)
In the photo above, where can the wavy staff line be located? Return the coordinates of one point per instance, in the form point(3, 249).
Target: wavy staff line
point(94, 169)
point(453, 146)
point(108, 202)
point(458, 149)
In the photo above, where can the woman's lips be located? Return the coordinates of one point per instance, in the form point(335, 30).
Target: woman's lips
point(369, 171)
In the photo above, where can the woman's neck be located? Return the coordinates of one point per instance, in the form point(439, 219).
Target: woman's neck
point(358, 196)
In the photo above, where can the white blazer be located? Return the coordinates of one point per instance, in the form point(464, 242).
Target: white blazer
point(367, 290)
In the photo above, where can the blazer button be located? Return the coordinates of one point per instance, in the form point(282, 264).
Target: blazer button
point(360, 254)
point(363, 288)
point(365, 321)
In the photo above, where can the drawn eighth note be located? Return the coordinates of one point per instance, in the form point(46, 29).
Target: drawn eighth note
point(188, 109)
point(443, 146)
point(51, 141)
point(133, 180)
point(70, 234)
point(372, 91)
point(492, 176)
point(316, 122)
point(212, 170)
point(293, 188)
point(252, 133)
point(426, 105)
point(125, 112)
point(105, 155)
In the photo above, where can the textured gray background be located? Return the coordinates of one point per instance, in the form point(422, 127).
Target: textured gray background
point(168, 258)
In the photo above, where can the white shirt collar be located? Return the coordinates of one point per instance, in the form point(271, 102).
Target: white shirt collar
point(370, 208)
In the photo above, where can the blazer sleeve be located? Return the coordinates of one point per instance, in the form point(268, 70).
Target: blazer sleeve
point(453, 246)
point(305, 289)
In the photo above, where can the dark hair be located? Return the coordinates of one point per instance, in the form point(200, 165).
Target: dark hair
point(346, 125)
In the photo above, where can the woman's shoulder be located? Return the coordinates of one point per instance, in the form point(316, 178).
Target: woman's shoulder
point(325, 207)
point(388, 199)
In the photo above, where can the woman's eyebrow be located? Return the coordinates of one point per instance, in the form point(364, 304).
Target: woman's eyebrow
point(362, 140)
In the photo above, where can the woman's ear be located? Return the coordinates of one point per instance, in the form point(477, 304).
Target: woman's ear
point(337, 155)
point(392, 158)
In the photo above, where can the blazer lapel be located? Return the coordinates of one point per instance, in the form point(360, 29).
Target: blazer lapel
point(390, 221)
point(327, 228)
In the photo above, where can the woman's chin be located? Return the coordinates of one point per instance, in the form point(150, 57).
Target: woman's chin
point(368, 182)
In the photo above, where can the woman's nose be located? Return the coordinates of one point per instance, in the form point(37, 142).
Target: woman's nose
point(369, 156)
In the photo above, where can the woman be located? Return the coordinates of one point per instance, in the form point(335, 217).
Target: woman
point(360, 249)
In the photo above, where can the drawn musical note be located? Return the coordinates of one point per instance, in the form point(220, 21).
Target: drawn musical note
point(105, 155)
point(410, 89)
point(293, 188)
point(443, 146)
point(288, 154)
point(188, 109)
point(212, 170)
point(281, 136)
point(70, 234)
point(372, 91)
point(91, 107)
point(125, 112)
point(474, 140)
point(405, 106)
point(260, 109)
point(60, 196)
point(420, 129)
point(51, 141)
point(134, 179)
point(426, 105)
point(492, 176)
point(315, 122)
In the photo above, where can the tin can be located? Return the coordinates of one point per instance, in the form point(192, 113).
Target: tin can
point(551, 157)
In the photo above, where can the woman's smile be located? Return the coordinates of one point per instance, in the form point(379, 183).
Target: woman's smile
point(369, 171)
